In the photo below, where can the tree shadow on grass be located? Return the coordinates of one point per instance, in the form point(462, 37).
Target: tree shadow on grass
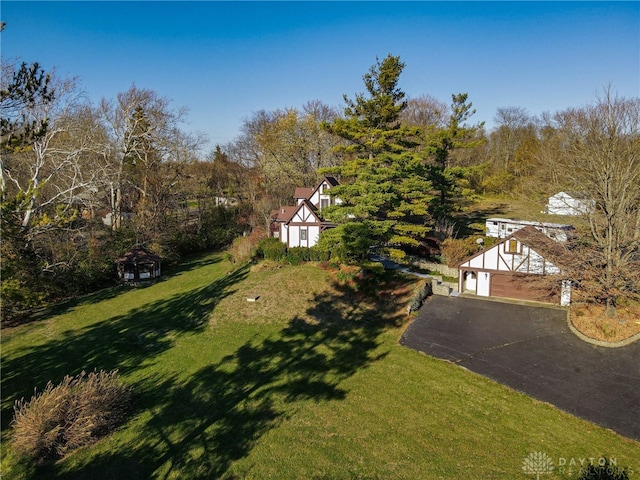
point(192, 262)
point(122, 342)
point(201, 425)
point(468, 223)
point(64, 306)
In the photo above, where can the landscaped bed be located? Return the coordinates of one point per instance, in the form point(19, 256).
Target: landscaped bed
point(592, 321)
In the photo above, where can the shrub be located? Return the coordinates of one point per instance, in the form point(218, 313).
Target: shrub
point(420, 296)
point(373, 268)
point(272, 249)
point(17, 298)
point(455, 250)
point(297, 255)
point(350, 276)
point(397, 255)
point(318, 255)
point(69, 415)
point(347, 243)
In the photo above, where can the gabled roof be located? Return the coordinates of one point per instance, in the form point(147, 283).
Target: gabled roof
point(563, 226)
point(534, 239)
point(138, 255)
point(309, 205)
point(303, 192)
point(539, 242)
point(284, 214)
point(574, 195)
point(330, 180)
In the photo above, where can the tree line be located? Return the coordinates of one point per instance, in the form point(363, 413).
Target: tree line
point(81, 182)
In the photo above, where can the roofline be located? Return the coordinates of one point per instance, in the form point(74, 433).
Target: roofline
point(324, 178)
point(311, 207)
point(503, 240)
point(533, 223)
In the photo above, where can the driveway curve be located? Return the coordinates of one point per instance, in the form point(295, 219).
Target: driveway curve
point(531, 349)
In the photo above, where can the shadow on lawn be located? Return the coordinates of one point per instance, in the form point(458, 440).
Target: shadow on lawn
point(62, 307)
point(467, 223)
point(123, 342)
point(199, 427)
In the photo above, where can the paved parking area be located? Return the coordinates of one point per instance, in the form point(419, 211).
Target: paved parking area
point(531, 349)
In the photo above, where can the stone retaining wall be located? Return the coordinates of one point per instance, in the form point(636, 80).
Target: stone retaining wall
point(435, 267)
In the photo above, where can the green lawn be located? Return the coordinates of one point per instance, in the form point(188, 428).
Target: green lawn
point(309, 382)
point(472, 219)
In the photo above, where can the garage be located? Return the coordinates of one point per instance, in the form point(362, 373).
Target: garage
point(519, 267)
point(522, 287)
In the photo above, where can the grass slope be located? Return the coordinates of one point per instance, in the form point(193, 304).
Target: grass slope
point(307, 382)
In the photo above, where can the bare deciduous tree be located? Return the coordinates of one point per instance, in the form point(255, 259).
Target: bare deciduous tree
point(599, 157)
point(146, 144)
point(56, 167)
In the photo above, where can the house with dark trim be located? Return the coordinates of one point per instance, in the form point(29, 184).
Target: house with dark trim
point(300, 225)
point(518, 266)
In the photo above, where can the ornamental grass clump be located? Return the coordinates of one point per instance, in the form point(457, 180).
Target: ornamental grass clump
point(69, 415)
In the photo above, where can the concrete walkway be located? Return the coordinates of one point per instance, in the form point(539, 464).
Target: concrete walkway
point(531, 349)
point(391, 265)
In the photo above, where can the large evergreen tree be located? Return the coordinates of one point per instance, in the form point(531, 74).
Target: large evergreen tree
point(441, 143)
point(384, 183)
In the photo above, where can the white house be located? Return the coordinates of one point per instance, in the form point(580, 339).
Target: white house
point(300, 225)
point(503, 227)
point(320, 197)
point(569, 203)
point(517, 267)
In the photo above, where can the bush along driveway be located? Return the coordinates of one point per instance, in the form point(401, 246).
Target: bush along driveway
point(532, 349)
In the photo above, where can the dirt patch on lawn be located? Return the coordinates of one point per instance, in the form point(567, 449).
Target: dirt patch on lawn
point(591, 320)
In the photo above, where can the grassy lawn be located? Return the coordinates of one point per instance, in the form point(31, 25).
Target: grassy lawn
point(520, 207)
point(307, 382)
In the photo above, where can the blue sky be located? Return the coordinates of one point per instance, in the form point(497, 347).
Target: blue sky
point(226, 60)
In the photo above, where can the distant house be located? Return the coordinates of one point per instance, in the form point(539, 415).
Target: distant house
point(514, 268)
point(225, 201)
point(503, 227)
point(569, 203)
point(300, 225)
point(107, 217)
point(138, 265)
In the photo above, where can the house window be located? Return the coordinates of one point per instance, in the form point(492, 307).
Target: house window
point(324, 203)
point(512, 246)
point(303, 234)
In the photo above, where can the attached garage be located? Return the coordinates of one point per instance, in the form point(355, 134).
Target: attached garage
point(517, 267)
point(522, 287)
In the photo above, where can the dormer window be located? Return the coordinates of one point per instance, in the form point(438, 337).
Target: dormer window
point(513, 246)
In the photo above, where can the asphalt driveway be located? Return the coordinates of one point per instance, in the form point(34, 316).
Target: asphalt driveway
point(531, 349)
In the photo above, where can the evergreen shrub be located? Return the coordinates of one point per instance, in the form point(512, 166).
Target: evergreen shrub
point(272, 249)
point(297, 255)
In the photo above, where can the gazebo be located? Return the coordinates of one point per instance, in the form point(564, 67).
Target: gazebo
point(138, 265)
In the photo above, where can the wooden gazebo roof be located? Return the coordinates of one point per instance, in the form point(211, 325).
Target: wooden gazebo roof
point(138, 255)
